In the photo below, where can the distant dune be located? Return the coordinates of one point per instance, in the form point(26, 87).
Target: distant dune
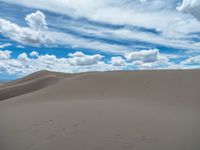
point(30, 83)
point(117, 110)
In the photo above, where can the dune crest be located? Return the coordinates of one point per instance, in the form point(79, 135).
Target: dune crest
point(30, 83)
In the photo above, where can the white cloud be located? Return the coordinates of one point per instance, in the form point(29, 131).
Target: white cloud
point(23, 57)
point(144, 56)
point(29, 36)
point(141, 13)
point(80, 62)
point(5, 45)
point(12, 66)
point(195, 60)
point(24, 35)
point(77, 54)
point(20, 46)
point(117, 61)
point(76, 62)
point(179, 37)
point(4, 55)
point(191, 6)
point(34, 54)
point(36, 20)
point(122, 11)
point(161, 63)
point(150, 59)
point(80, 59)
point(48, 59)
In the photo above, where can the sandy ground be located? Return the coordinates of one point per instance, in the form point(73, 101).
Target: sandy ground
point(141, 110)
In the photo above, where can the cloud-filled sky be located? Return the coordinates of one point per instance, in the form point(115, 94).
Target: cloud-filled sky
point(87, 35)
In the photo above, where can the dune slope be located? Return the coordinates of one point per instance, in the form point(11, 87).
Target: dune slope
point(30, 83)
point(120, 110)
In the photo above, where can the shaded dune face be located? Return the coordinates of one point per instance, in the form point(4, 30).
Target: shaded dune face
point(120, 110)
point(30, 83)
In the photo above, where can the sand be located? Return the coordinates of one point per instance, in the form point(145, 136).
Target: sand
point(120, 110)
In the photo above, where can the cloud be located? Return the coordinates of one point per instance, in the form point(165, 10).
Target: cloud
point(195, 60)
point(5, 45)
point(80, 62)
point(23, 57)
point(117, 61)
point(144, 56)
point(76, 54)
point(93, 36)
point(25, 35)
point(98, 10)
point(24, 65)
point(36, 20)
point(20, 46)
point(4, 55)
point(192, 7)
point(150, 59)
point(48, 59)
point(34, 54)
point(161, 63)
point(45, 38)
point(80, 59)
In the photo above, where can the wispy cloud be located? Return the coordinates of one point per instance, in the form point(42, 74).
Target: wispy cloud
point(5, 45)
point(191, 7)
point(98, 37)
point(135, 34)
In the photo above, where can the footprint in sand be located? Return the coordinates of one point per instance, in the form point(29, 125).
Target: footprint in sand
point(48, 121)
point(117, 138)
point(29, 146)
point(51, 136)
point(63, 129)
point(36, 130)
point(127, 146)
point(75, 125)
point(98, 148)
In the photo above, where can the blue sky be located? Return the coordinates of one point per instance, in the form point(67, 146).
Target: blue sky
point(87, 35)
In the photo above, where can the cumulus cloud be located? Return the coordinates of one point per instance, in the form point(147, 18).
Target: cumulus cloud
point(80, 62)
point(25, 35)
point(149, 59)
point(76, 54)
point(23, 57)
point(80, 59)
point(161, 63)
point(36, 20)
point(190, 6)
point(144, 56)
point(4, 55)
point(24, 64)
point(75, 62)
point(34, 54)
point(118, 61)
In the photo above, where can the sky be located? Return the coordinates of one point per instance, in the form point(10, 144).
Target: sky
point(85, 35)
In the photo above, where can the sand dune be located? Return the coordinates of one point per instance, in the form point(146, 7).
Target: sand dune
point(120, 110)
point(30, 83)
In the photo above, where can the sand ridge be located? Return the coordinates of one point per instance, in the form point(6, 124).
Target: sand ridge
point(31, 83)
